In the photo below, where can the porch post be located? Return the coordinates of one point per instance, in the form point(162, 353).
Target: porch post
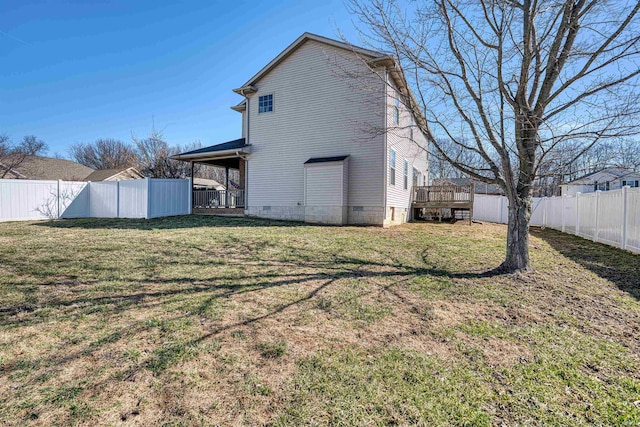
point(226, 186)
point(191, 185)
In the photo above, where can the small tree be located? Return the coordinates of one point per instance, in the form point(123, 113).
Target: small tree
point(13, 155)
point(511, 81)
point(104, 153)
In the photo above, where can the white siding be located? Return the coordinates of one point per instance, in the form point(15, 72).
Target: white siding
point(317, 112)
point(587, 185)
point(324, 184)
point(413, 151)
point(325, 194)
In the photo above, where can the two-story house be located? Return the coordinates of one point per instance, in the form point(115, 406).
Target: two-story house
point(326, 138)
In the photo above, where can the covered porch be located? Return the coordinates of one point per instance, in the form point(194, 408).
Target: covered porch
point(207, 197)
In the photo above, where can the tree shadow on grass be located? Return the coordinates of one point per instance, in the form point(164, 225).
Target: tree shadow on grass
point(617, 266)
point(167, 223)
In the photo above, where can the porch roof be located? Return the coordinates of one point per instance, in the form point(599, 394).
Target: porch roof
point(226, 154)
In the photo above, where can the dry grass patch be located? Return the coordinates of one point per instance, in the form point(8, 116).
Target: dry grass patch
point(212, 321)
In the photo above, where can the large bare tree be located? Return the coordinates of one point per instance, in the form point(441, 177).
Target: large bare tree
point(510, 81)
point(105, 153)
point(13, 155)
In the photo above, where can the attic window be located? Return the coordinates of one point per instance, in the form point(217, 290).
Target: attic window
point(265, 103)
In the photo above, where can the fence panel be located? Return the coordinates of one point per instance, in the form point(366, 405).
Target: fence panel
point(570, 206)
point(103, 199)
point(169, 197)
point(74, 200)
point(633, 220)
point(554, 212)
point(488, 208)
point(602, 216)
point(133, 199)
point(587, 215)
point(26, 200)
point(537, 215)
point(610, 206)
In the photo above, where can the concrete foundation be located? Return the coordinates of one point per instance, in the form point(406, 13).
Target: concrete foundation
point(289, 213)
point(335, 215)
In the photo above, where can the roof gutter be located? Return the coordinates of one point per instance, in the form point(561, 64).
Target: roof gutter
point(214, 154)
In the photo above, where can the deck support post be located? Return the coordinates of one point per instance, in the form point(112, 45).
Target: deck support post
point(226, 186)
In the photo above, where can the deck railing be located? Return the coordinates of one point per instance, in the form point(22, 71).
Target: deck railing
point(442, 193)
point(214, 199)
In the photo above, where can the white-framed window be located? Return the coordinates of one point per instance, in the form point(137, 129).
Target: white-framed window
point(424, 179)
point(265, 103)
point(396, 112)
point(633, 184)
point(405, 181)
point(392, 168)
point(416, 177)
point(411, 129)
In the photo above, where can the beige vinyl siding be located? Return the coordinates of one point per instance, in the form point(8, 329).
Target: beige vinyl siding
point(324, 184)
point(414, 152)
point(317, 112)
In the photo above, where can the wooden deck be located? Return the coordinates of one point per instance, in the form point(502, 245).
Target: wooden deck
point(436, 198)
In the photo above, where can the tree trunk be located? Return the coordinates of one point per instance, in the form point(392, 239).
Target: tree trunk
point(517, 259)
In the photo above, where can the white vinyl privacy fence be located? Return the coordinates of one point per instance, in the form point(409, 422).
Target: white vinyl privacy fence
point(142, 198)
point(610, 217)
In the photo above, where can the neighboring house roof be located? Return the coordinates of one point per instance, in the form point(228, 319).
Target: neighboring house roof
point(616, 172)
point(204, 182)
point(114, 174)
point(48, 168)
point(479, 187)
point(248, 86)
point(236, 144)
point(325, 159)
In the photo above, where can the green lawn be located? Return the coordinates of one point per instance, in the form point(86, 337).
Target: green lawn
point(212, 321)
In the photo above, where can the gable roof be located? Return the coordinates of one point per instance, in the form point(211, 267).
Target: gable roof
point(248, 86)
point(105, 174)
point(207, 182)
point(49, 168)
point(374, 59)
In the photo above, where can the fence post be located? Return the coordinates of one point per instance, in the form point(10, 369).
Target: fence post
point(625, 216)
point(190, 198)
point(59, 185)
point(147, 215)
point(578, 213)
point(596, 221)
point(118, 199)
point(562, 199)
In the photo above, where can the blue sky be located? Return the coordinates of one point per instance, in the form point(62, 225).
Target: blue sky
point(76, 71)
